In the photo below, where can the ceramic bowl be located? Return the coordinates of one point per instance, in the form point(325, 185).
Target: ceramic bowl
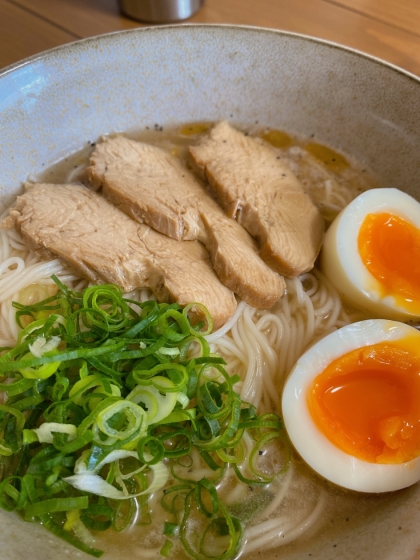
point(54, 103)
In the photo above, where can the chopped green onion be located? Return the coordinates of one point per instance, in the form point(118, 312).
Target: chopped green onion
point(107, 398)
point(58, 504)
point(170, 529)
point(166, 548)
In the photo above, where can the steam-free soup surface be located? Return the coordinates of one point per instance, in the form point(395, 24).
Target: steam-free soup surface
point(265, 345)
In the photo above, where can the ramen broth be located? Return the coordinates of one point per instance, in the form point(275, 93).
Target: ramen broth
point(332, 180)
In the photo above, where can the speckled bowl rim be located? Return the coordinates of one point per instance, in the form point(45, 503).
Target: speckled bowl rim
point(162, 28)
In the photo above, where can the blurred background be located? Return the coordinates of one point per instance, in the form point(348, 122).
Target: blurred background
point(388, 29)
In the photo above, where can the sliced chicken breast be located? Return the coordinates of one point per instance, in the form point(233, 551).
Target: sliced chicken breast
point(254, 186)
point(154, 187)
point(104, 245)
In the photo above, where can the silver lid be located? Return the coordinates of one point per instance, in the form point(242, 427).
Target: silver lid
point(160, 11)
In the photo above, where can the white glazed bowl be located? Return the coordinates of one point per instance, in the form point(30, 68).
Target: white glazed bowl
point(54, 103)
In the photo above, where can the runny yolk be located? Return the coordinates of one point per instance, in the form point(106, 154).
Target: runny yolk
point(390, 249)
point(367, 402)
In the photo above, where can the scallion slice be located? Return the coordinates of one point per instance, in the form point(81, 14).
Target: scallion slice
point(108, 398)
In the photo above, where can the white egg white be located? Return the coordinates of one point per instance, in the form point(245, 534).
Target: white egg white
point(340, 258)
point(313, 446)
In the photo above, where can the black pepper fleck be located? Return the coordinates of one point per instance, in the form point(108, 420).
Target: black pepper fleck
point(283, 174)
point(260, 452)
point(399, 528)
point(334, 545)
point(347, 518)
point(312, 135)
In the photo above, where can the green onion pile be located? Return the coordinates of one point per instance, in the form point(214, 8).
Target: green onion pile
point(109, 401)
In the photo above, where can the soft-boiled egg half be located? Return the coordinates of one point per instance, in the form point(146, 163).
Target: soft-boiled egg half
point(371, 253)
point(351, 406)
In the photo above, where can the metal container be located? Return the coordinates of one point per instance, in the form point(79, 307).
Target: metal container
point(160, 11)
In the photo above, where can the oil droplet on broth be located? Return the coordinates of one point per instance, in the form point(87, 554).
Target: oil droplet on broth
point(277, 138)
point(194, 128)
point(334, 161)
point(178, 151)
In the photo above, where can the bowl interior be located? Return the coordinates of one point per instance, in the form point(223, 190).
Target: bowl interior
point(53, 104)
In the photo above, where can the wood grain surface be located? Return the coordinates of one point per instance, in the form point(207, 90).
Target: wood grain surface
point(23, 34)
point(405, 15)
point(388, 29)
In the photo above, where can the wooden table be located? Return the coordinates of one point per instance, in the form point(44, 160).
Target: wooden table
point(389, 29)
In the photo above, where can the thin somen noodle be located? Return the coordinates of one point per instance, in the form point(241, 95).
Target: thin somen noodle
point(260, 346)
point(277, 532)
point(19, 269)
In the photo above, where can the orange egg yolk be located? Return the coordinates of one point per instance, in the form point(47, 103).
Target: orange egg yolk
point(390, 249)
point(367, 402)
